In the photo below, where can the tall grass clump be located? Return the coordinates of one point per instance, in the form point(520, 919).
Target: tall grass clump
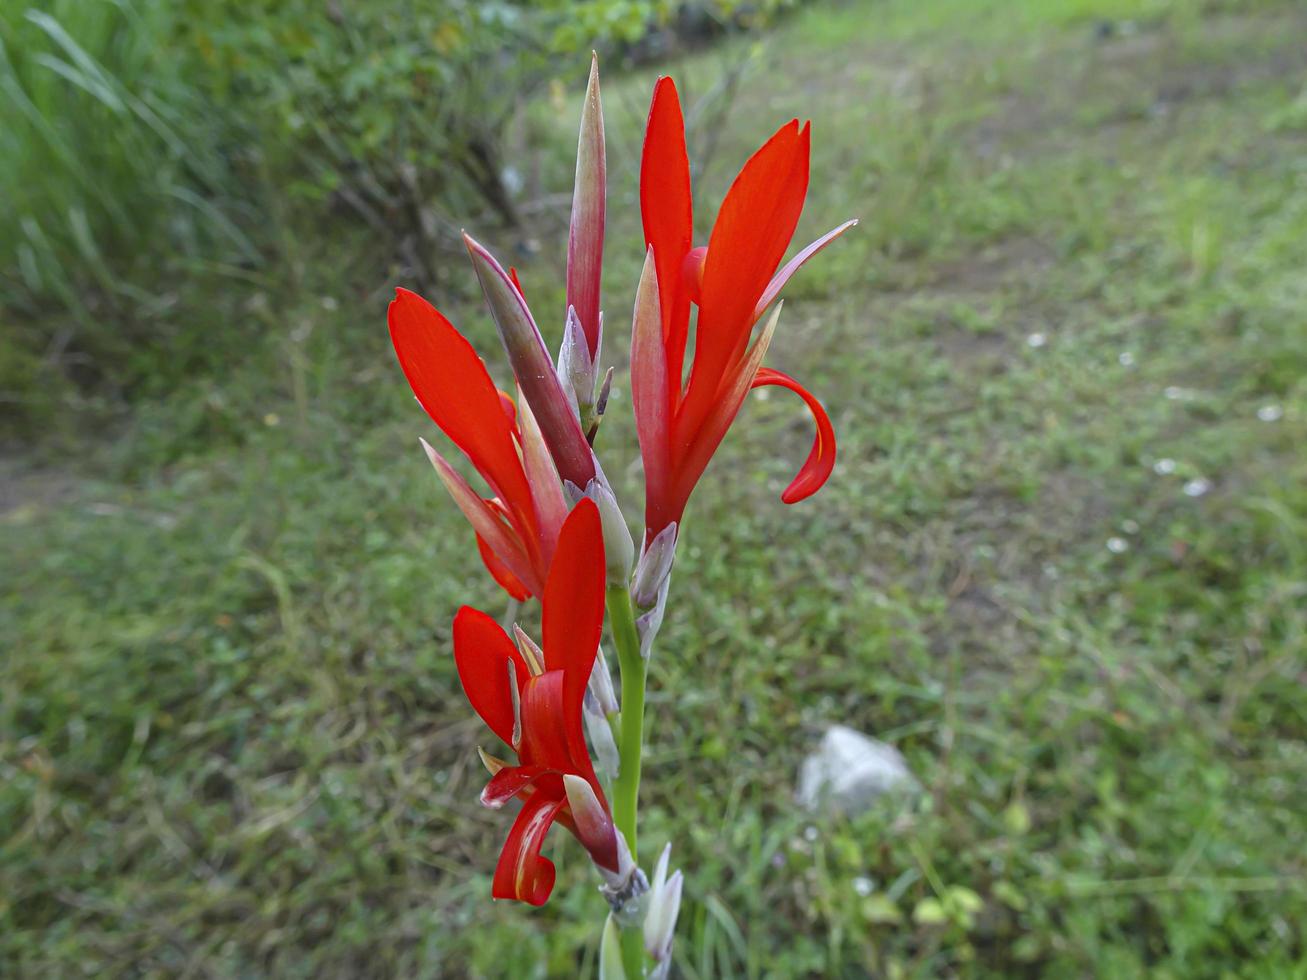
point(122, 176)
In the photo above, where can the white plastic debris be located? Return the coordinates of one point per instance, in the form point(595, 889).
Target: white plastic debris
point(849, 771)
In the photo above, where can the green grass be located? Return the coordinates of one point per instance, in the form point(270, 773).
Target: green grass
point(231, 740)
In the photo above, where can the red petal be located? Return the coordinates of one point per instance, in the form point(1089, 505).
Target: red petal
point(700, 443)
point(668, 213)
point(452, 384)
point(791, 267)
point(512, 274)
point(573, 607)
point(507, 783)
point(817, 468)
point(573, 616)
point(545, 737)
point(509, 582)
point(482, 651)
point(522, 873)
point(752, 232)
point(650, 397)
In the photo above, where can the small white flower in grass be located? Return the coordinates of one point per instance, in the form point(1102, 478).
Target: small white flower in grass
point(863, 885)
point(1164, 466)
point(1270, 413)
point(1197, 486)
point(1036, 340)
point(1126, 359)
point(1117, 545)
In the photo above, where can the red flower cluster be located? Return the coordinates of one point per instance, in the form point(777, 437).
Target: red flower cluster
point(533, 452)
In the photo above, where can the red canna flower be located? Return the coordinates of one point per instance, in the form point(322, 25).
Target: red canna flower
point(517, 527)
point(532, 699)
point(732, 281)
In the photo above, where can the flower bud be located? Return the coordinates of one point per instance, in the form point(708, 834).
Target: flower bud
point(654, 567)
point(619, 549)
point(662, 905)
point(577, 370)
point(601, 685)
point(607, 758)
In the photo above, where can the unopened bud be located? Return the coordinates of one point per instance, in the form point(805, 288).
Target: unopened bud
point(601, 685)
point(607, 759)
point(662, 906)
point(654, 567)
point(619, 549)
point(577, 370)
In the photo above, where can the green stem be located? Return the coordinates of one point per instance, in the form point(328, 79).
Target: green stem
point(626, 787)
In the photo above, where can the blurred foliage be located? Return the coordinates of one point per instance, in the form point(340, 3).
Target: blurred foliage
point(158, 146)
point(120, 177)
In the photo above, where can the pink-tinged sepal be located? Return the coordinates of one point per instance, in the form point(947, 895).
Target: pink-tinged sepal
point(816, 469)
point(779, 280)
point(533, 368)
point(547, 490)
point(585, 241)
point(594, 825)
point(522, 873)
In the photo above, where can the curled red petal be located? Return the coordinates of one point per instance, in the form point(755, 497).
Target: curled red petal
point(482, 652)
point(816, 470)
point(500, 572)
point(522, 873)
